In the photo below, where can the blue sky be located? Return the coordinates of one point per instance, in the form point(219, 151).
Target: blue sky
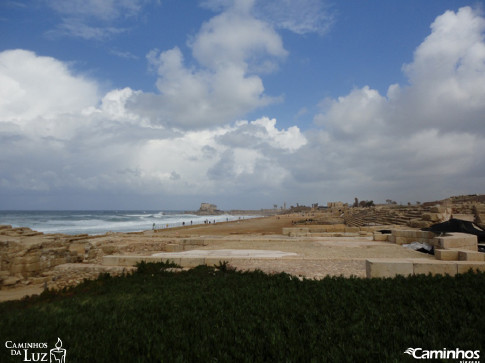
point(246, 103)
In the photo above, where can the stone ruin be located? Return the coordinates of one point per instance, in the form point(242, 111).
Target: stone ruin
point(208, 209)
point(470, 208)
point(59, 260)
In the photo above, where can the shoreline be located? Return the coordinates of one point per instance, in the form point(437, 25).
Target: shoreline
point(102, 222)
point(307, 244)
point(37, 260)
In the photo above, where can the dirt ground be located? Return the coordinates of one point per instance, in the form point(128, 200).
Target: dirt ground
point(316, 257)
point(263, 225)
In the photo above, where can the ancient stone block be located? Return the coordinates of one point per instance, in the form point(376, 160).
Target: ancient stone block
point(471, 256)
point(173, 247)
point(465, 266)
point(465, 217)
point(418, 223)
point(77, 248)
point(109, 249)
point(335, 228)
point(211, 261)
point(446, 255)
point(401, 240)
point(377, 236)
point(435, 268)
point(438, 209)
point(458, 241)
point(12, 280)
point(191, 262)
point(388, 267)
point(426, 216)
point(16, 268)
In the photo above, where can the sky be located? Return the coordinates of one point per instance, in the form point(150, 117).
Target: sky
point(246, 104)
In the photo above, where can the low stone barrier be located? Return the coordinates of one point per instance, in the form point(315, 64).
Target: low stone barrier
point(406, 236)
point(331, 230)
point(405, 267)
point(193, 261)
point(462, 241)
point(451, 246)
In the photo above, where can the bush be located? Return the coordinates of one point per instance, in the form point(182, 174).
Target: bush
point(205, 315)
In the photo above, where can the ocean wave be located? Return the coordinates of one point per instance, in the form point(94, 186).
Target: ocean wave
point(100, 222)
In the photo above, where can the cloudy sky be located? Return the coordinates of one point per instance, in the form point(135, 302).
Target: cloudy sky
point(145, 104)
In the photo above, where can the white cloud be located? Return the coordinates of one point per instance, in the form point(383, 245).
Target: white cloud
point(94, 19)
point(447, 75)
point(101, 9)
point(78, 28)
point(102, 146)
point(298, 16)
point(27, 90)
point(213, 161)
point(358, 114)
point(420, 139)
point(229, 49)
point(235, 38)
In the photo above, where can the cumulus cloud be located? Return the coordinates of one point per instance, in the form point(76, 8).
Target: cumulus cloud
point(87, 144)
point(262, 133)
point(419, 137)
point(230, 49)
point(26, 93)
point(235, 38)
point(447, 75)
point(358, 114)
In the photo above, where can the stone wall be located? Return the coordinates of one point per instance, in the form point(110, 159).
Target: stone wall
point(18, 258)
point(29, 257)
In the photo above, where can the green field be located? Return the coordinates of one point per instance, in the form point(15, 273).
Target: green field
point(220, 315)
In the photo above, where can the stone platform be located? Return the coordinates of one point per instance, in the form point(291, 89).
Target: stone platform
point(197, 257)
point(406, 267)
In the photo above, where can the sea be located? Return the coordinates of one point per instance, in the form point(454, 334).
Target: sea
point(103, 221)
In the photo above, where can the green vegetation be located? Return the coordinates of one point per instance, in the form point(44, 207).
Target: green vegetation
point(218, 314)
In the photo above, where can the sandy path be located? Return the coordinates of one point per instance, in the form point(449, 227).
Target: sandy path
point(264, 225)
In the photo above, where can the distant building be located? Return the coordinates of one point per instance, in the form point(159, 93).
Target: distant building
point(335, 205)
point(207, 207)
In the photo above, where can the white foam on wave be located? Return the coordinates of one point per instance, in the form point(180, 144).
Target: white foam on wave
point(100, 222)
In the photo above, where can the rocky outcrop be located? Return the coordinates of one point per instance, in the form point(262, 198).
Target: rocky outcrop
point(58, 260)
